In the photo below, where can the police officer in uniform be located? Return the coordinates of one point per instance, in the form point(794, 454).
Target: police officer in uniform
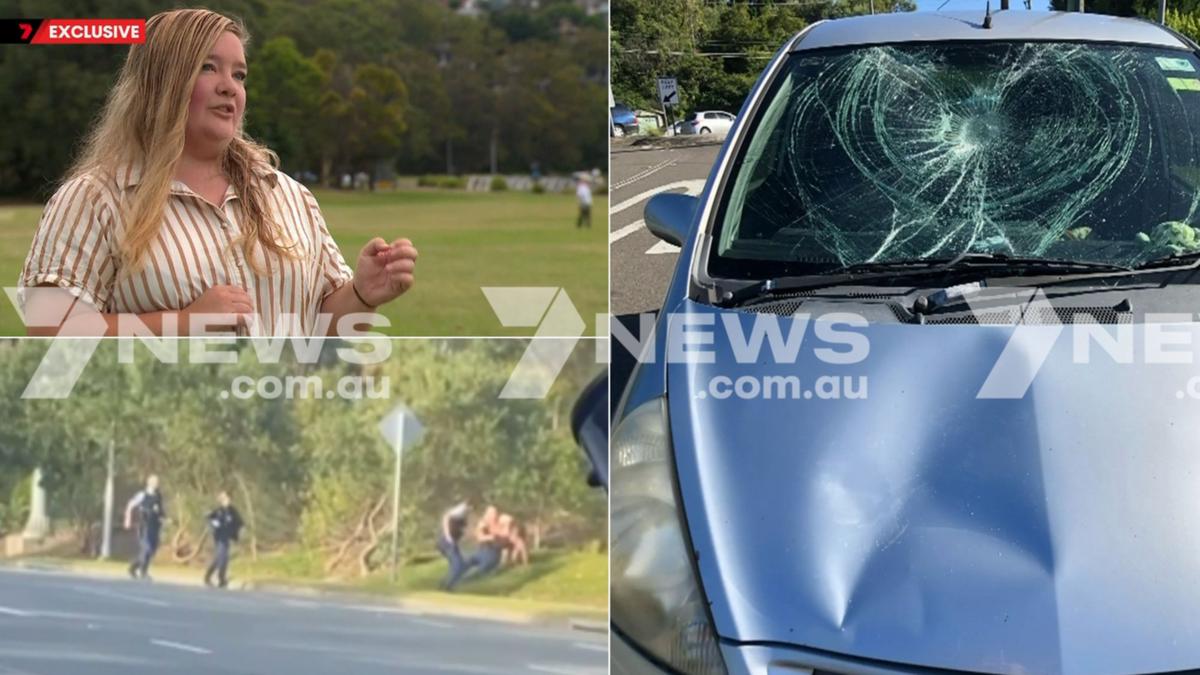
point(450, 532)
point(226, 523)
point(151, 513)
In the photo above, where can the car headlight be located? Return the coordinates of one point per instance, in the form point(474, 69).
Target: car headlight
point(656, 600)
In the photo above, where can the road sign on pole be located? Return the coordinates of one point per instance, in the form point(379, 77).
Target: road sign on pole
point(668, 92)
point(402, 430)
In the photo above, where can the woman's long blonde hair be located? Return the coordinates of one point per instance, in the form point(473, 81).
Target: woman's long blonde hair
point(143, 124)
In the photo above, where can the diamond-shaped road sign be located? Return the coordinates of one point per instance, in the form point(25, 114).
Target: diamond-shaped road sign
point(401, 428)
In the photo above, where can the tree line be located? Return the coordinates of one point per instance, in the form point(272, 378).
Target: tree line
point(309, 473)
point(716, 50)
point(343, 86)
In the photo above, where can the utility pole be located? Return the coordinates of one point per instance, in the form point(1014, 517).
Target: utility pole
point(38, 525)
point(106, 537)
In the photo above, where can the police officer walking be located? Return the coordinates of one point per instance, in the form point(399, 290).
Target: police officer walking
point(450, 532)
point(151, 513)
point(226, 523)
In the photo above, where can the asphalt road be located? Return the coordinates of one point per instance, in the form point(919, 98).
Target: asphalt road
point(57, 624)
point(641, 264)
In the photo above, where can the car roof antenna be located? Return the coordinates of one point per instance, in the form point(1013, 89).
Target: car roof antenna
point(987, 17)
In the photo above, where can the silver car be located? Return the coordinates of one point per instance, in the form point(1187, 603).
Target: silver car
point(991, 502)
point(716, 122)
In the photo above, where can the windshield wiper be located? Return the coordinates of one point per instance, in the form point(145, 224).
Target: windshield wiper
point(903, 269)
point(1183, 260)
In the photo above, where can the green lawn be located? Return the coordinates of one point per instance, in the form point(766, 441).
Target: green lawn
point(467, 241)
point(553, 576)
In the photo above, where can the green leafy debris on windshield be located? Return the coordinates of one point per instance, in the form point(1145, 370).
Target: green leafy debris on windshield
point(1172, 236)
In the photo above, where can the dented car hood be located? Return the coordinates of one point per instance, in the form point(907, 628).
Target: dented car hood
point(1054, 531)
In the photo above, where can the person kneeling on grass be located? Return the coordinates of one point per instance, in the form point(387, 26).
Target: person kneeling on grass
point(226, 523)
point(487, 557)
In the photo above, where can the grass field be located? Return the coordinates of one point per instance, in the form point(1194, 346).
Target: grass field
point(467, 241)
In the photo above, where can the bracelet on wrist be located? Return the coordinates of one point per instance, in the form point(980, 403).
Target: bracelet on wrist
point(358, 295)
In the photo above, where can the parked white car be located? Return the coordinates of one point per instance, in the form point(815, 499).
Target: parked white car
point(708, 122)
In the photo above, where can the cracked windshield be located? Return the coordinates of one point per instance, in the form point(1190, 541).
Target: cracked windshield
point(1049, 150)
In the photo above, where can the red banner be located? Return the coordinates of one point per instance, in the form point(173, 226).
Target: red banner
point(90, 32)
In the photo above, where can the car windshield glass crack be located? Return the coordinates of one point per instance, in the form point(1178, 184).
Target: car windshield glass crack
point(1067, 151)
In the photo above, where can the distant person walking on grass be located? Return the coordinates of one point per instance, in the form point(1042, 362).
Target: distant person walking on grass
point(226, 524)
point(151, 513)
point(173, 218)
point(450, 532)
point(583, 192)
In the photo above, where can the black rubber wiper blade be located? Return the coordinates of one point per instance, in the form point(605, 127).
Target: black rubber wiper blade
point(988, 260)
point(1188, 259)
point(903, 269)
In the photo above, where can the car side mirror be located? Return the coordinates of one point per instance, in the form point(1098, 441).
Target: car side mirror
point(589, 423)
point(669, 216)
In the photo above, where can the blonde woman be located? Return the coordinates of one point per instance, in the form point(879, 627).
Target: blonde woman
point(174, 219)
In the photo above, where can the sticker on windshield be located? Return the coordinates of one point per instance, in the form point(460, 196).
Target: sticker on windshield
point(1182, 65)
point(1184, 84)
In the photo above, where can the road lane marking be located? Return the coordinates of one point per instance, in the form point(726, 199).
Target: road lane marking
point(307, 604)
point(120, 596)
point(430, 622)
point(691, 187)
point(380, 609)
point(643, 174)
point(9, 611)
point(591, 647)
point(563, 670)
point(618, 235)
point(180, 646)
point(662, 247)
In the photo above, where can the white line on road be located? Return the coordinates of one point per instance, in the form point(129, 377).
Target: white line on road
point(15, 612)
point(618, 235)
point(180, 646)
point(121, 596)
point(592, 647)
point(561, 670)
point(430, 622)
point(648, 172)
point(307, 604)
point(380, 609)
point(662, 247)
point(691, 187)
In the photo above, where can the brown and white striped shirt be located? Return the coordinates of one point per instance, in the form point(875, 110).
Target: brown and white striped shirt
point(76, 248)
